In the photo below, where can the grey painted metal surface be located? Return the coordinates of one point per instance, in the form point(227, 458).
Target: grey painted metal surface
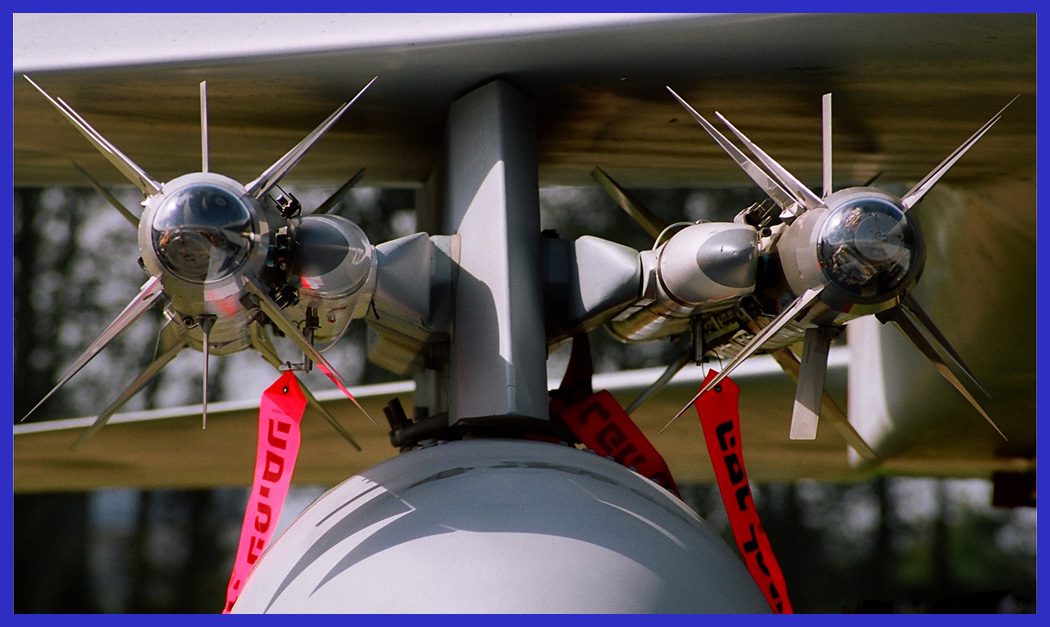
point(434, 530)
point(43, 42)
point(498, 353)
point(709, 264)
point(406, 267)
point(701, 268)
point(588, 281)
point(410, 318)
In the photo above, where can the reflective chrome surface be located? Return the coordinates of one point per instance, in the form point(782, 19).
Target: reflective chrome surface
point(202, 233)
point(868, 247)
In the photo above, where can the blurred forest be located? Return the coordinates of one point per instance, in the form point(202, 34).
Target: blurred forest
point(886, 545)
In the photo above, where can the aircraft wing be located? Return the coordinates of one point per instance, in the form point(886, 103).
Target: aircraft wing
point(597, 82)
point(908, 89)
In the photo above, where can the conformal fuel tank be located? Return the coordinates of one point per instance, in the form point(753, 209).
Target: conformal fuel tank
point(499, 526)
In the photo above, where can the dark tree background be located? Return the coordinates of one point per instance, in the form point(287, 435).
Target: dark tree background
point(886, 545)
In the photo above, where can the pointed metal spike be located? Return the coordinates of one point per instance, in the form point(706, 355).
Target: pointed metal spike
point(809, 200)
point(916, 193)
point(829, 409)
point(127, 167)
point(204, 126)
point(334, 199)
point(826, 141)
point(905, 326)
point(809, 392)
point(274, 312)
point(282, 166)
point(661, 381)
point(800, 304)
point(312, 401)
point(119, 206)
point(262, 345)
point(149, 293)
point(789, 204)
point(206, 322)
point(910, 306)
point(161, 359)
point(646, 219)
point(170, 335)
point(272, 175)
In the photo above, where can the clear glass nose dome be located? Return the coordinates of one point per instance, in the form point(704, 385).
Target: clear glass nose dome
point(868, 247)
point(202, 233)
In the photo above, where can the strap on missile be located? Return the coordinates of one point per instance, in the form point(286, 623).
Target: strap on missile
point(719, 414)
point(280, 412)
point(601, 424)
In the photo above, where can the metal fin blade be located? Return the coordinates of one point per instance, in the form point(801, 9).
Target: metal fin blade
point(282, 166)
point(808, 198)
point(161, 359)
point(119, 206)
point(316, 405)
point(921, 319)
point(168, 338)
point(262, 345)
point(274, 312)
point(784, 199)
point(825, 127)
point(905, 325)
point(204, 126)
point(809, 392)
point(661, 381)
point(127, 167)
point(829, 409)
point(916, 193)
point(334, 199)
point(800, 304)
point(652, 225)
point(147, 296)
point(206, 322)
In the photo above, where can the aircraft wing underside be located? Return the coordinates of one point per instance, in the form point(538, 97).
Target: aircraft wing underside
point(597, 83)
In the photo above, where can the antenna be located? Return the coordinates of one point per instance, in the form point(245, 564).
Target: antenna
point(272, 175)
point(787, 201)
point(916, 193)
point(206, 322)
point(826, 136)
point(136, 175)
point(204, 126)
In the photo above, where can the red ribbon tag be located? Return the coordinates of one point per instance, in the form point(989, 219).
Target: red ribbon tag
point(280, 411)
point(604, 427)
point(720, 418)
